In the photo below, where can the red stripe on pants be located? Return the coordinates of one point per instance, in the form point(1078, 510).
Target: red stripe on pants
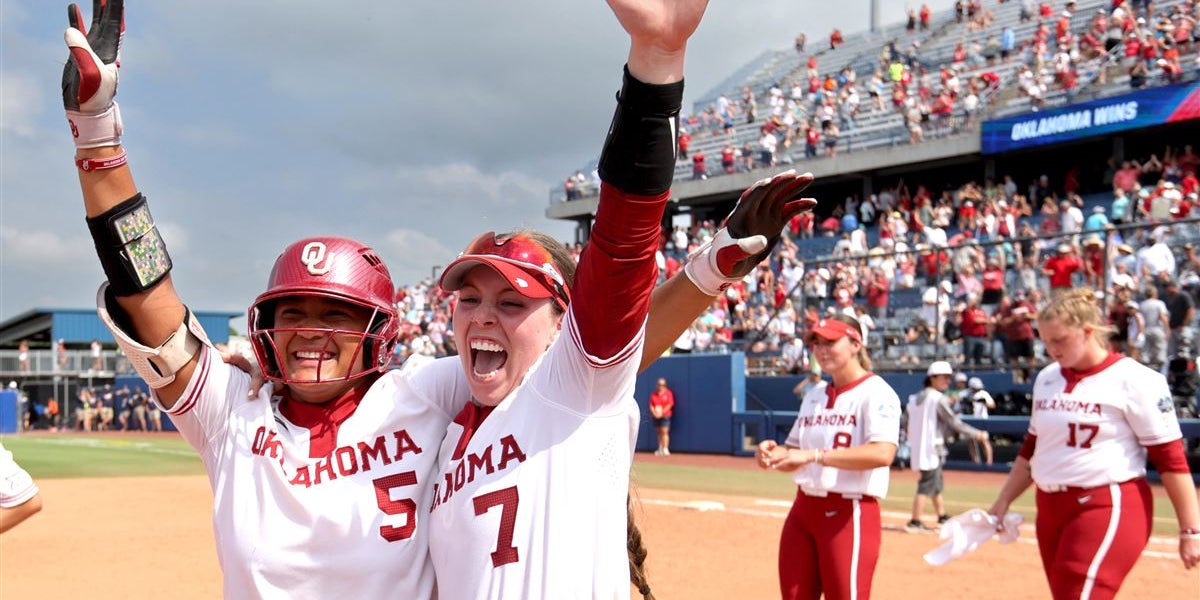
point(1088, 542)
point(817, 548)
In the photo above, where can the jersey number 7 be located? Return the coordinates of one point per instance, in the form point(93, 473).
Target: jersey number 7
point(507, 499)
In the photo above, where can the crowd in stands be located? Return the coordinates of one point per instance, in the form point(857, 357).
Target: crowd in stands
point(977, 261)
point(819, 106)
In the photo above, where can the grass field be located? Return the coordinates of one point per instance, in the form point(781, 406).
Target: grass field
point(72, 456)
point(135, 455)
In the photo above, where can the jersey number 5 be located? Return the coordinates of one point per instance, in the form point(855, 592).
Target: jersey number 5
point(507, 499)
point(406, 506)
point(1083, 432)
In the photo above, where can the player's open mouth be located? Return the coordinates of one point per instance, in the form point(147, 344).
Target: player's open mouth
point(487, 358)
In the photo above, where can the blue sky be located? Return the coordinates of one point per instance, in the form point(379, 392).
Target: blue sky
point(412, 126)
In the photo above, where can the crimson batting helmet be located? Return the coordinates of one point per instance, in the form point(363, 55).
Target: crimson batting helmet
point(335, 268)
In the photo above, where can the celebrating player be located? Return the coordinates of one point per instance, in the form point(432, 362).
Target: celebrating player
point(1096, 416)
point(839, 451)
point(337, 457)
point(534, 472)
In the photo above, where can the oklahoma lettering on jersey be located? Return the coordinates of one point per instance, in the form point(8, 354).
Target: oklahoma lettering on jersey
point(1094, 432)
point(863, 412)
point(346, 524)
point(556, 526)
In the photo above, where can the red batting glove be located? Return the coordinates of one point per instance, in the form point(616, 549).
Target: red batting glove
point(750, 233)
point(89, 80)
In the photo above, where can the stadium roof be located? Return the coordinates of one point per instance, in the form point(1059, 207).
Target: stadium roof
point(79, 326)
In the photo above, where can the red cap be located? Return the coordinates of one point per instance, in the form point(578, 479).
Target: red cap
point(522, 262)
point(833, 330)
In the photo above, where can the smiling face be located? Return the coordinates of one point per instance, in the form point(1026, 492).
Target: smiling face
point(500, 333)
point(318, 360)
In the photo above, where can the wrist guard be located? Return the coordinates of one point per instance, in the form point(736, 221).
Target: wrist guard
point(711, 266)
point(157, 366)
point(639, 152)
point(97, 130)
point(130, 249)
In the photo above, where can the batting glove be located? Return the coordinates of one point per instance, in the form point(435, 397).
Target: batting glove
point(89, 80)
point(751, 231)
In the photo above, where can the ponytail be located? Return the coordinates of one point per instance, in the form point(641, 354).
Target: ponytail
point(637, 554)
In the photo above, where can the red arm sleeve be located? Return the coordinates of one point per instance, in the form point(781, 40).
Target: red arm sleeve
point(1028, 446)
point(617, 271)
point(1168, 457)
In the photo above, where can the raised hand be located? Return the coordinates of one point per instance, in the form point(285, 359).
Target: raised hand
point(89, 79)
point(763, 210)
point(658, 32)
point(750, 233)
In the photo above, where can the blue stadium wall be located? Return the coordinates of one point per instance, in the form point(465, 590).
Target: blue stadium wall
point(719, 410)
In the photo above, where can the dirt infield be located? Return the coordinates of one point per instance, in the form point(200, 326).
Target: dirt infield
point(151, 537)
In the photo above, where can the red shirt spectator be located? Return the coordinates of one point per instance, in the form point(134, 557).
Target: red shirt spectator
point(924, 16)
point(1189, 184)
point(835, 38)
point(699, 166)
point(1015, 321)
point(877, 291)
point(993, 278)
point(685, 140)
point(974, 322)
point(1061, 266)
point(1125, 178)
point(673, 266)
point(1044, 10)
point(662, 397)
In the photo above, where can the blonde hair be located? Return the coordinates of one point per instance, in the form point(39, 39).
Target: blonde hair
point(1078, 308)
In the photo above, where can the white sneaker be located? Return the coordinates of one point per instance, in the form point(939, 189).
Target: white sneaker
point(658, 452)
point(666, 452)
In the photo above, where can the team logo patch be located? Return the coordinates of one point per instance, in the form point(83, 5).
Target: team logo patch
point(314, 258)
point(1166, 404)
point(521, 282)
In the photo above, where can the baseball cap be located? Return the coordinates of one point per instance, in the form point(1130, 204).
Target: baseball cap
point(975, 383)
point(523, 262)
point(960, 376)
point(833, 330)
point(939, 367)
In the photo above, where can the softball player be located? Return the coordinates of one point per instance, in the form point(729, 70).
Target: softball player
point(839, 450)
point(1096, 416)
point(318, 491)
point(530, 496)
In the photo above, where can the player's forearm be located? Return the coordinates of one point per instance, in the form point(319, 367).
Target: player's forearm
point(1182, 494)
point(674, 305)
point(11, 517)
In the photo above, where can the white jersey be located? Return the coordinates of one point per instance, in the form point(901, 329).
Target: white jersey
point(1095, 432)
point(346, 523)
point(863, 412)
point(534, 504)
point(16, 486)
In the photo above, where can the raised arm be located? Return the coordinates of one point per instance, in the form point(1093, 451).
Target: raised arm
point(611, 295)
point(140, 298)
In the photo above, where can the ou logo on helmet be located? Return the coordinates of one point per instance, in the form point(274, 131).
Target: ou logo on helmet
point(315, 256)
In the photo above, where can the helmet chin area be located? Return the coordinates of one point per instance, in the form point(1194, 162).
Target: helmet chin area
point(321, 359)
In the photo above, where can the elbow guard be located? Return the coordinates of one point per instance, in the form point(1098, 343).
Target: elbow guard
point(639, 152)
point(157, 366)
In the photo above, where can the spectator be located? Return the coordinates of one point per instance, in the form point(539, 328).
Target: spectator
point(1060, 268)
point(97, 356)
point(1156, 331)
point(23, 356)
point(662, 407)
point(1181, 310)
point(699, 166)
point(976, 325)
point(1015, 319)
point(928, 420)
point(768, 143)
point(685, 141)
point(981, 403)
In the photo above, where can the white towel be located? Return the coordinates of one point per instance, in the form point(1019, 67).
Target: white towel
point(966, 532)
